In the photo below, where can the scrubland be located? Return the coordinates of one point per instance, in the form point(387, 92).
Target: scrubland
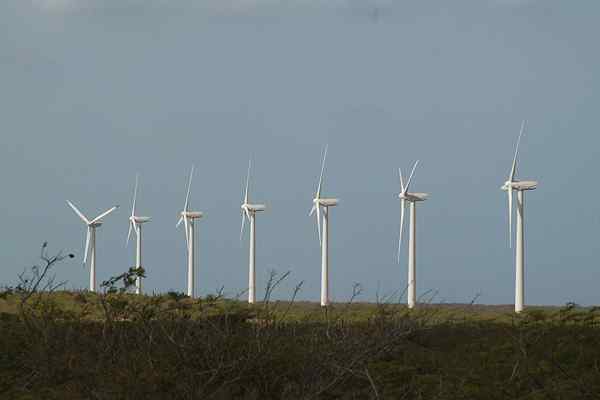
point(115, 345)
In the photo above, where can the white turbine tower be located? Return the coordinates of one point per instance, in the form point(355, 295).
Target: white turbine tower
point(249, 211)
point(90, 240)
point(135, 224)
point(412, 199)
point(188, 218)
point(322, 205)
point(520, 187)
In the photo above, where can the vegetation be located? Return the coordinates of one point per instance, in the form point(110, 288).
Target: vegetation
point(115, 345)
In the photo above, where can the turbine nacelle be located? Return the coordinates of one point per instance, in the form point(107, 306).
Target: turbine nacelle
point(519, 185)
point(139, 220)
point(95, 224)
point(413, 197)
point(192, 214)
point(253, 207)
point(324, 202)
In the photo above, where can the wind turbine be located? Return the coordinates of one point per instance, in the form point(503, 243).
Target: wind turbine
point(249, 211)
point(520, 187)
point(188, 218)
point(321, 205)
point(90, 240)
point(412, 199)
point(135, 224)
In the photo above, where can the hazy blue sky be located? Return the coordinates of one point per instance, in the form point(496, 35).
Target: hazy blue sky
point(92, 92)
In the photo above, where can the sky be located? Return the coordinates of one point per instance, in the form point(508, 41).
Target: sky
point(93, 92)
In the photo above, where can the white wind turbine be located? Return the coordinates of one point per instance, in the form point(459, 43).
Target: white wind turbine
point(412, 199)
point(520, 187)
point(322, 205)
point(135, 224)
point(249, 211)
point(188, 218)
point(90, 240)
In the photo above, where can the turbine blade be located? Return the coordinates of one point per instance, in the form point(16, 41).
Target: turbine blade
point(312, 210)
point(247, 182)
point(510, 202)
point(187, 232)
point(87, 246)
point(243, 223)
point(187, 196)
point(513, 170)
point(401, 180)
point(128, 234)
point(322, 172)
point(402, 207)
point(104, 214)
point(411, 176)
point(179, 222)
point(134, 195)
point(319, 222)
point(79, 213)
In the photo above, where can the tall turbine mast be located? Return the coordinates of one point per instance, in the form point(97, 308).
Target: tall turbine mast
point(321, 209)
point(90, 239)
point(513, 185)
point(135, 224)
point(249, 212)
point(188, 218)
point(412, 199)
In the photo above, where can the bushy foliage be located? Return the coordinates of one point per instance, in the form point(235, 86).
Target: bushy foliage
point(116, 345)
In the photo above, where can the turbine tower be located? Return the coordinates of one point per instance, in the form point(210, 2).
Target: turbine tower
point(412, 199)
point(188, 218)
point(135, 224)
point(510, 186)
point(90, 240)
point(321, 205)
point(249, 211)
